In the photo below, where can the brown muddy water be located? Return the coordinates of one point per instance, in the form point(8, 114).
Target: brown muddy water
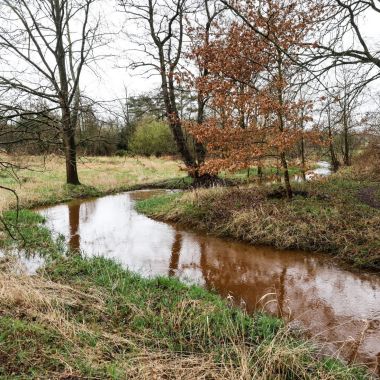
point(333, 305)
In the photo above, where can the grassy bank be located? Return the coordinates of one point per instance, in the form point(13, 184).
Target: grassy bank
point(333, 217)
point(42, 179)
point(88, 318)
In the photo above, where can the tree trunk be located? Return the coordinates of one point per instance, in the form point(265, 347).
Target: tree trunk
point(346, 156)
point(71, 160)
point(68, 127)
point(168, 91)
point(303, 161)
point(289, 192)
point(179, 138)
point(200, 150)
point(260, 172)
point(334, 159)
point(70, 150)
point(284, 163)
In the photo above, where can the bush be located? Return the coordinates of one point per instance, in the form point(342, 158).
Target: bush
point(152, 137)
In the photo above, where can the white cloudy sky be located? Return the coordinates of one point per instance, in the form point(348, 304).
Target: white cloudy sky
point(112, 74)
point(111, 78)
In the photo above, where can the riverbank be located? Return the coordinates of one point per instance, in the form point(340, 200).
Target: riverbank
point(329, 215)
point(40, 180)
point(90, 318)
point(51, 329)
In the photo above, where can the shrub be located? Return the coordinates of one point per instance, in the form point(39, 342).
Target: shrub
point(152, 137)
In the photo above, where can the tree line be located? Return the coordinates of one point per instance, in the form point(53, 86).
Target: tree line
point(240, 82)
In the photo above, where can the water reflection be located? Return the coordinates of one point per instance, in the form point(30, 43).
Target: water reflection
point(176, 251)
point(74, 236)
point(340, 307)
point(323, 169)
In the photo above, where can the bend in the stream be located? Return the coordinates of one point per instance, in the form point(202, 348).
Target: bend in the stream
point(339, 307)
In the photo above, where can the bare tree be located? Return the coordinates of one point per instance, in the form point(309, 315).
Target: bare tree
point(207, 14)
point(44, 46)
point(348, 99)
point(343, 39)
point(163, 22)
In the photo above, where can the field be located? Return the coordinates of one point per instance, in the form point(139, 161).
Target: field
point(88, 318)
point(41, 179)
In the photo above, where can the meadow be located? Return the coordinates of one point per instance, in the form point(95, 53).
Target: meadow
point(40, 180)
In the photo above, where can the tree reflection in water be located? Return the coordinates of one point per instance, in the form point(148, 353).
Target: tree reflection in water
point(339, 307)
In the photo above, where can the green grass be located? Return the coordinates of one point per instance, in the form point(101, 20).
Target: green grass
point(29, 349)
point(90, 318)
point(331, 219)
point(172, 315)
point(42, 181)
point(242, 175)
point(25, 227)
point(102, 318)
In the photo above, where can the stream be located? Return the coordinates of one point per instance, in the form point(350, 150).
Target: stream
point(337, 307)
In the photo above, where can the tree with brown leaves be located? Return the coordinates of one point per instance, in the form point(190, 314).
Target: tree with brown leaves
point(252, 86)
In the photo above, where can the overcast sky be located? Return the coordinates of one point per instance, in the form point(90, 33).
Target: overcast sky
point(111, 78)
point(111, 75)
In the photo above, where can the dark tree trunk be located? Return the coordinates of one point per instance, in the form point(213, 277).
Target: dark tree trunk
point(334, 159)
point(71, 160)
point(288, 188)
point(179, 137)
point(303, 161)
point(289, 192)
point(200, 150)
point(346, 157)
point(67, 124)
point(346, 150)
point(168, 91)
point(260, 172)
point(70, 149)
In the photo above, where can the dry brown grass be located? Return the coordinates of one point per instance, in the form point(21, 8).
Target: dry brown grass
point(68, 313)
point(367, 164)
point(38, 299)
point(42, 179)
point(332, 218)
